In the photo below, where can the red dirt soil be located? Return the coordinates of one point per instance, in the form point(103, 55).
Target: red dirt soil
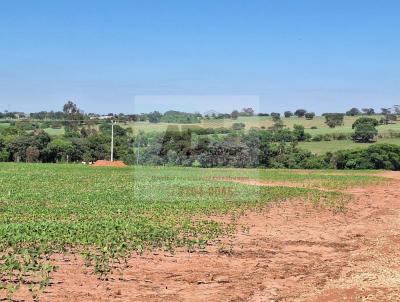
point(106, 163)
point(292, 251)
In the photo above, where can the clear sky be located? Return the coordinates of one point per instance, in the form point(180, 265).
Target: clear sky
point(320, 55)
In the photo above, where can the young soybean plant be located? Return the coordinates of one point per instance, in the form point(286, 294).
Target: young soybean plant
point(106, 214)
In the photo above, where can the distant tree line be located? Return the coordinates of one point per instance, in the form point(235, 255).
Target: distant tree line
point(200, 147)
point(88, 138)
point(255, 148)
point(172, 116)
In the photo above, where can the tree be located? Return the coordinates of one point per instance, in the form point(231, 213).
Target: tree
point(388, 116)
point(70, 108)
point(278, 124)
point(334, 119)
point(173, 116)
point(275, 116)
point(386, 111)
point(365, 130)
point(118, 130)
point(18, 146)
point(154, 117)
point(299, 132)
point(368, 111)
point(72, 114)
point(300, 112)
point(365, 120)
point(353, 112)
point(32, 154)
point(377, 156)
point(59, 150)
point(288, 114)
point(247, 112)
point(309, 115)
point(235, 114)
point(4, 155)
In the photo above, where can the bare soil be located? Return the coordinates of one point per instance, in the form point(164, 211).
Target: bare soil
point(107, 163)
point(292, 251)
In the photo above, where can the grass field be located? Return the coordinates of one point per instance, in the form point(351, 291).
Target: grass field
point(107, 213)
point(257, 121)
point(52, 131)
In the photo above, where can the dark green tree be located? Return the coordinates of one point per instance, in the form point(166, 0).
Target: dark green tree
point(334, 119)
point(364, 133)
point(288, 114)
point(309, 115)
point(300, 112)
point(353, 112)
point(154, 117)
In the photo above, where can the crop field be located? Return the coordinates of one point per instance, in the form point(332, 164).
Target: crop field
point(106, 214)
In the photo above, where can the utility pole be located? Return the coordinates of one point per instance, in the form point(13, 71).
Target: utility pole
point(137, 157)
point(112, 140)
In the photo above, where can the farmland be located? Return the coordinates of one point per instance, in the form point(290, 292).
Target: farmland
point(106, 214)
point(315, 126)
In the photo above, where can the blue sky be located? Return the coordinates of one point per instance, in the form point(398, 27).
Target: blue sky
point(320, 55)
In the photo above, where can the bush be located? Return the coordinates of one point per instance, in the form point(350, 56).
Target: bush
point(340, 136)
point(317, 138)
point(4, 156)
point(378, 156)
point(238, 126)
point(316, 162)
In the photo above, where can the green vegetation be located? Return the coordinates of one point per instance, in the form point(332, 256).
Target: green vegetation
point(334, 119)
point(54, 132)
point(106, 214)
point(313, 126)
point(322, 147)
point(238, 139)
point(365, 130)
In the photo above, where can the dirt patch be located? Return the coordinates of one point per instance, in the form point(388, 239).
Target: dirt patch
point(106, 163)
point(309, 184)
point(290, 252)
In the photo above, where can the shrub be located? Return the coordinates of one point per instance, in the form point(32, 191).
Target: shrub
point(317, 138)
point(4, 156)
point(238, 126)
point(378, 156)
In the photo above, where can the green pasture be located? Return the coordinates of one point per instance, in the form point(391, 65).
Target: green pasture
point(261, 121)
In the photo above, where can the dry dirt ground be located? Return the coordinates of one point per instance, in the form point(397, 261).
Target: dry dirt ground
point(291, 252)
